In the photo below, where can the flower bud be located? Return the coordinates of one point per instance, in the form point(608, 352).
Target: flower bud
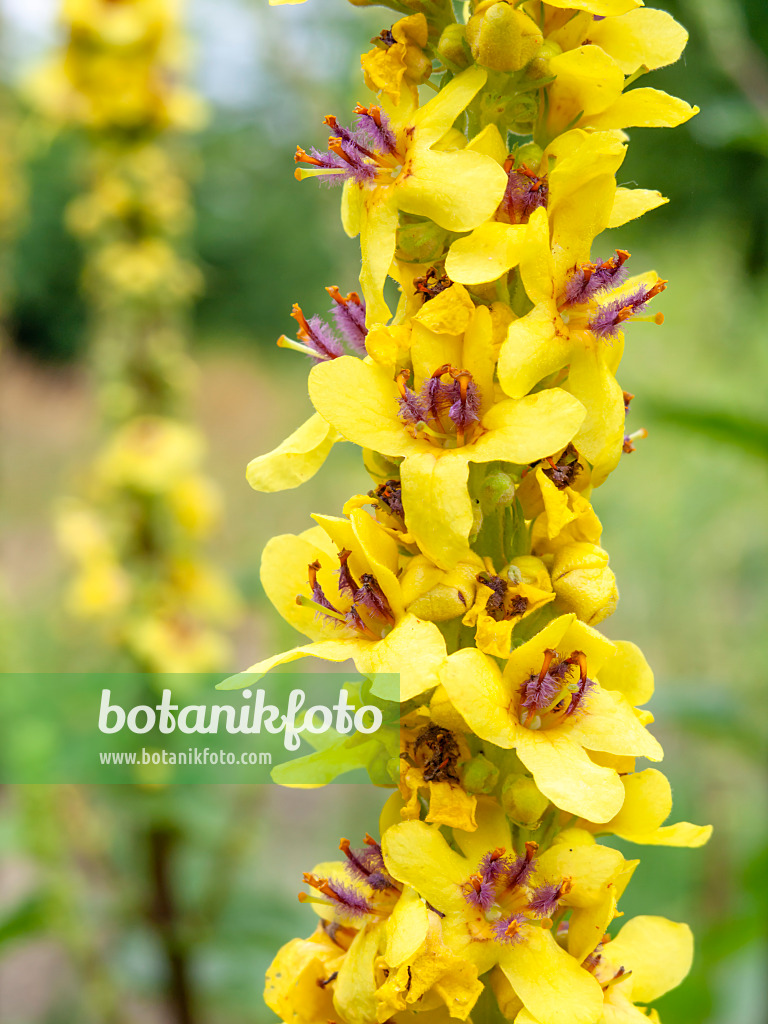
point(583, 582)
point(421, 241)
point(480, 775)
point(435, 595)
point(539, 66)
point(452, 45)
point(523, 801)
point(530, 155)
point(498, 489)
point(502, 38)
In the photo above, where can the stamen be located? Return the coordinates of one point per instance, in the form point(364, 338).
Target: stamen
point(507, 930)
point(431, 284)
point(466, 403)
point(372, 597)
point(344, 896)
point(321, 610)
point(410, 407)
point(478, 892)
point(349, 315)
point(638, 435)
point(519, 871)
point(317, 335)
point(347, 583)
point(588, 279)
point(493, 865)
point(584, 685)
point(545, 899)
point(317, 591)
point(525, 192)
point(607, 321)
point(390, 494)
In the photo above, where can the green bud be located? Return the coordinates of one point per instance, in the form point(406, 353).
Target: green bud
point(502, 38)
point(539, 66)
point(393, 766)
point(480, 775)
point(522, 800)
point(421, 242)
point(498, 489)
point(530, 154)
point(452, 46)
point(379, 467)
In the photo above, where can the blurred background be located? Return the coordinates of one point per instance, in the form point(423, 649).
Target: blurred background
point(167, 906)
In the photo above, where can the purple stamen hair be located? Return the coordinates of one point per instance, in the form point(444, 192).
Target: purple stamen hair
point(370, 595)
point(481, 896)
point(578, 698)
point(349, 899)
point(465, 407)
point(544, 901)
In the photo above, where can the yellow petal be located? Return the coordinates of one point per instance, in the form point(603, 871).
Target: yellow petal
point(526, 429)
point(283, 575)
point(641, 37)
point(479, 357)
point(327, 650)
point(447, 313)
point(360, 399)
point(414, 649)
point(551, 984)
point(587, 82)
point(416, 854)
point(378, 235)
point(644, 108)
point(293, 989)
point(603, 8)
point(536, 345)
point(492, 831)
point(682, 833)
point(591, 381)
point(477, 690)
point(630, 203)
point(565, 774)
point(647, 803)
point(488, 252)
point(352, 197)
point(295, 460)
point(589, 866)
point(611, 725)
point(353, 996)
point(629, 673)
point(434, 119)
point(438, 509)
point(658, 952)
point(490, 143)
point(457, 190)
point(406, 927)
point(451, 805)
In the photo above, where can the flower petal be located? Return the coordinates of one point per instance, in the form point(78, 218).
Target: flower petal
point(565, 774)
point(644, 108)
point(610, 724)
point(628, 673)
point(414, 649)
point(416, 853)
point(488, 252)
point(658, 952)
point(642, 37)
point(295, 460)
point(479, 693)
point(354, 991)
point(457, 190)
point(434, 119)
point(523, 430)
point(630, 203)
point(536, 345)
point(553, 987)
point(378, 235)
point(438, 509)
point(360, 400)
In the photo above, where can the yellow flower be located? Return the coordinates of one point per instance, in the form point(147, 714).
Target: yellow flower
point(548, 705)
point(401, 168)
point(594, 61)
point(455, 421)
point(431, 759)
point(576, 323)
point(503, 600)
point(648, 957)
point(400, 56)
point(295, 460)
point(574, 181)
point(295, 984)
point(496, 904)
point(338, 584)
